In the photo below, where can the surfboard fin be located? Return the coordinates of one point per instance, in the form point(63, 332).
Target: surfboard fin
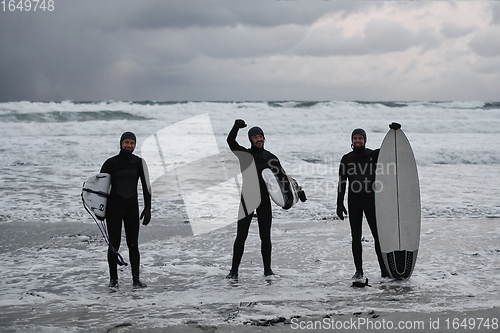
point(302, 196)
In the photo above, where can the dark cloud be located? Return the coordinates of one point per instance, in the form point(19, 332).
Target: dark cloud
point(218, 13)
point(43, 54)
point(219, 49)
point(86, 49)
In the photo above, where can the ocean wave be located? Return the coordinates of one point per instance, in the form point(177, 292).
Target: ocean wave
point(459, 105)
point(293, 104)
point(63, 117)
point(491, 106)
point(387, 104)
point(290, 120)
point(126, 106)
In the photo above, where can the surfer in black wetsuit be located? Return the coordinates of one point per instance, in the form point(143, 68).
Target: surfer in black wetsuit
point(358, 168)
point(251, 194)
point(125, 170)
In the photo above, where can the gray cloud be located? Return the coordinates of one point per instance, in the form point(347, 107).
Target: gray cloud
point(486, 43)
point(223, 50)
point(42, 55)
point(81, 49)
point(452, 30)
point(496, 14)
point(219, 13)
point(488, 66)
point(379, 36)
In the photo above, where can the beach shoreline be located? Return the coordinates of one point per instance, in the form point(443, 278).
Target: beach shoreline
point(55, 277)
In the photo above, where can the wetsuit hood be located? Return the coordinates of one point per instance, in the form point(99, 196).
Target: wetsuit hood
point(127, 135)
point(360, 149)
point(255, 130)
point(359, 131)
point(251, 132)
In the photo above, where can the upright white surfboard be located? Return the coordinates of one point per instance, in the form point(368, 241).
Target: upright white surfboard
point(397, 204)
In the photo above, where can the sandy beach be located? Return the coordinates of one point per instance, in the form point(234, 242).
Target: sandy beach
point(55, 279)
point(53, 257)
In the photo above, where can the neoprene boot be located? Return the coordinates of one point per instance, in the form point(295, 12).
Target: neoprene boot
point(136, 282)
point(113, 283)
point(384, 272)
point(233, 274)
point(268, 271)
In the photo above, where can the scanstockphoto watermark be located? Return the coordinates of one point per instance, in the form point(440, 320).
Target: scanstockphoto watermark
point(432, 324)
point(27, 5)
point(330, 167)
point(355, 324)
point(328, 185)
point(186, 165)
point(327, 166)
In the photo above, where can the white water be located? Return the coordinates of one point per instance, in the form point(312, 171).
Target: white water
point(53, 259)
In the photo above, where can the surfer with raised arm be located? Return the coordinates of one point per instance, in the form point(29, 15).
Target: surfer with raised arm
point(126, 169)
point(259, 158)
point(358, 169)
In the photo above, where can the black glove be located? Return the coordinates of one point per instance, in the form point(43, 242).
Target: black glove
point(146, 214)
point(395, 126)
point(240, 123)
point(341, 211)
point(100, 218)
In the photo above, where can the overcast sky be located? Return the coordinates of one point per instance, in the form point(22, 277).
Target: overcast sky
point(252, 50)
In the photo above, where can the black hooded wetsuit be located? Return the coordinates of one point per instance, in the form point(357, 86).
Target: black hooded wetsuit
point(125, 170)
point(358, 167)
point(262, 159)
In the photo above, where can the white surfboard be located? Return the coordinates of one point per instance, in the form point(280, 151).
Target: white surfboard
point(95, 193)
point(277, 192)
point(397, 204)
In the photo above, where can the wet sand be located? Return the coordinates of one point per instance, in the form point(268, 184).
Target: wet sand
point(484, 320)
point(54, 278)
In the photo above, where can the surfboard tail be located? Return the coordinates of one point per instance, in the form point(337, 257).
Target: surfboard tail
point(400, 264)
